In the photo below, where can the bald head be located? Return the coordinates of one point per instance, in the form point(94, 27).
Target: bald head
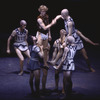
point(70, 39)
point(23, 22)
point(64, 13)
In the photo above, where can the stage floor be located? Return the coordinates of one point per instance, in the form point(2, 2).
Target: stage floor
point(86, 84)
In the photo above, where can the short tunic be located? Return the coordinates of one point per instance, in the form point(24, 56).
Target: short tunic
point(78, 40)
point(34, 62)
point(20, 40)
point(69, 62)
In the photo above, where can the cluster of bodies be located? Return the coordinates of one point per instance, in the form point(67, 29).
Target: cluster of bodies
point(65, 48)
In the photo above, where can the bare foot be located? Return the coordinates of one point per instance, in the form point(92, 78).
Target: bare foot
point(52, 62)
point(55, 67)
point(63, 92)
point(92, 70)
point(21, 73)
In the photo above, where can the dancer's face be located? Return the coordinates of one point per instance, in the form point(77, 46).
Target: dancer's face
point(43, 12)
point(23, 26)
point(61, 33)
point(64, 16)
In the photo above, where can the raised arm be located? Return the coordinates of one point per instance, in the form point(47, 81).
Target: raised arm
point(41, 23)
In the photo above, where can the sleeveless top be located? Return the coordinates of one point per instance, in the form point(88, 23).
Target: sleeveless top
point(74, 34)
point(45, 21)
point(20, 36)
point(34, 50)
point(66, 25)
point(69, 60)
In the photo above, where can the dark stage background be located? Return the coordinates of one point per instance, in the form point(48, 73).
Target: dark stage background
point(84, 13)
point(86, 16)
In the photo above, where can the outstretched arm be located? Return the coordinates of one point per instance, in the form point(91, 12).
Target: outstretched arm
point(41, 23)
point(85, 38)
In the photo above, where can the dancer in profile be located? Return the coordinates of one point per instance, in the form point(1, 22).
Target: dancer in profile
point(20, 35)
point(36, 53)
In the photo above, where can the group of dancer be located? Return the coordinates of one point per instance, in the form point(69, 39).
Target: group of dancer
point(65, 49)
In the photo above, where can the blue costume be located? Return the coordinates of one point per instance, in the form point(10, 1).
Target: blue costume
point(34, 62)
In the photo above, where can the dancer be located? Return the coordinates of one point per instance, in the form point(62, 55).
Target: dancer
point(70, 29)
point(57, 54)
point(36, 52)
point(43, 35)
point(58, 46)
point(20, 45)
point(67, 65)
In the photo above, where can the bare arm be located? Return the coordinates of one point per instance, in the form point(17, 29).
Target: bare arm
point(8, 41)
point(70, 24)
point(55, 50)
point(49, 33)
point(39, 20)
point(85, 38)
point(54, 54)
point(58, 17)
point(63, 57)
point(27, 34)
point(41, 53)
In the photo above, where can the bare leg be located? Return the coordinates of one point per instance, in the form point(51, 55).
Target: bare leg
point(44, 78)
point(63, 91)
point(27, 53)
point(37, 81)
point(56, 79)
point(67, 82)
point(31, 81)
point(83, 51)
point(45, 49)
point(18, 52)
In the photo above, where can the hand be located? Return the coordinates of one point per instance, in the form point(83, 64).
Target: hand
point(58, 17)
point(41, 47)
point(96, 44)
point(49, 38)
point(56, 67)
point(53, 21)
point(8, 51)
